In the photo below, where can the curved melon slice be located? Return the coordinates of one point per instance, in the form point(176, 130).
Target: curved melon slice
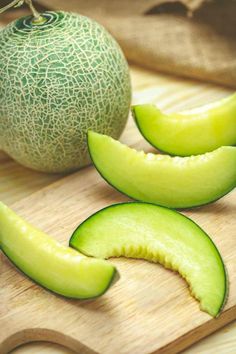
point(191, 132)
point(158, 234)
point(175, 182)
point(55, 267)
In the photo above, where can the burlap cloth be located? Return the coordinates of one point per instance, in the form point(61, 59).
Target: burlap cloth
point(162, 36)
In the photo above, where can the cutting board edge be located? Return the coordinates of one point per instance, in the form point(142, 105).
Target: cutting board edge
point(198, 333)
point(29, 335)
point(26, 335)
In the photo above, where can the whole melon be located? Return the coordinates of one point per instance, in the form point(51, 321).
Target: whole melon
point(58, 79)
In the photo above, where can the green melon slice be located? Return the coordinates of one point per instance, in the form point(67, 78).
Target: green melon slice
point(55, 267)
point(175, 182)
point(191, 132)
point(157, 234)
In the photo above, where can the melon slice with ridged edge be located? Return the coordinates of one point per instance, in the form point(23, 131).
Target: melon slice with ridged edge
point(157, 234)
point(174, 182)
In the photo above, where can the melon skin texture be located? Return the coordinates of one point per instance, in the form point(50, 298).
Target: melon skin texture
point(57, 80)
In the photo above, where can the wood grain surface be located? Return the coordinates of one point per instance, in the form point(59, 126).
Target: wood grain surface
point(221, 342)
point(150, 308)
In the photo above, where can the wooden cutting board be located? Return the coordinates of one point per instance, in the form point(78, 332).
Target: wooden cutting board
point(149, 310)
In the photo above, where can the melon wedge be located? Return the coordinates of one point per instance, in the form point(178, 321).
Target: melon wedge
point(55, 267)
point(160, 235)
point(191, 132)
point(175, 182)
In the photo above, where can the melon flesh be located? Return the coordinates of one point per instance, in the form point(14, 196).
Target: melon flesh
point(175, 182)
point(192, 132)
point(157, 234)
point(50, 264)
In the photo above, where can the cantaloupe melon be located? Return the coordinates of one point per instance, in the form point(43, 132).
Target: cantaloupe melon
point(58, 79)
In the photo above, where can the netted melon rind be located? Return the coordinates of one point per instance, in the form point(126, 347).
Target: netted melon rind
point(56, 82)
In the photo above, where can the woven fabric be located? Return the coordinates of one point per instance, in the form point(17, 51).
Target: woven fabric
point(116, 7)
point(165, 38)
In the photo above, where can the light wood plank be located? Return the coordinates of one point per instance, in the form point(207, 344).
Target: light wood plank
point(221, 342)
point(16, 182)
point(60, 198)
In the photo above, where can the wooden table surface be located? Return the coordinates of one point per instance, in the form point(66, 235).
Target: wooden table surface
point(17, 182)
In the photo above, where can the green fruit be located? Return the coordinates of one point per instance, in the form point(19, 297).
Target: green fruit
point(55, 267)
point(57, 80)
point(192, 132)
point(160, 235)
point(175, 182)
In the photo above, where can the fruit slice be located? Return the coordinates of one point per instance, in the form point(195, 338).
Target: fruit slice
point(55, 267)
point(175, 182)
point(157, 234)
point(191, 132)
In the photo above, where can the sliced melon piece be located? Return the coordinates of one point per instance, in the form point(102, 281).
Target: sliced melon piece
point(175, 182)
point(157, 234)
point(55, 267)
point(191, 132)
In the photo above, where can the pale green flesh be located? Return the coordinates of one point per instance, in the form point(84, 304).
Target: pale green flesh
point(175, 182)
point(55, 267)
point(157, 234)
point(192, 132)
